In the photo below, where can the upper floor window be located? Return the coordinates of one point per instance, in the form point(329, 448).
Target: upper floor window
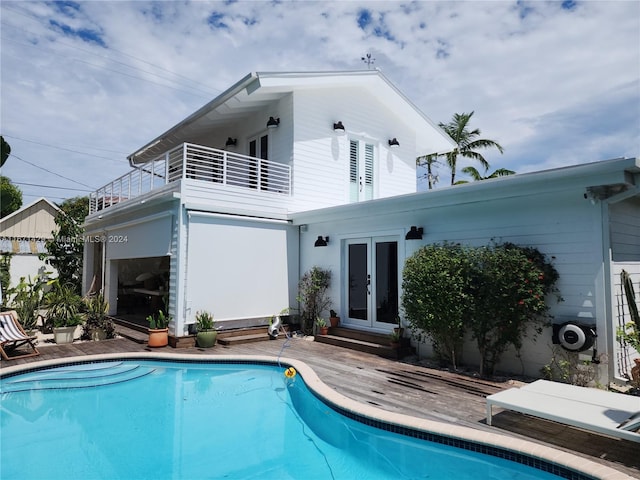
point(361, 161)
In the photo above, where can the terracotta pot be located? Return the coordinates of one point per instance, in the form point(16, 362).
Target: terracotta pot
point(324, 330)
point(334, 321)
point(158, 337)
point(635, 371)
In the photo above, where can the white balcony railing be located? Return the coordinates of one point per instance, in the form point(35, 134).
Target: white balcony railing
point(196, 162)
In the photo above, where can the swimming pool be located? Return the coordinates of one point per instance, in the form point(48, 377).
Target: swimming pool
point(138, 417)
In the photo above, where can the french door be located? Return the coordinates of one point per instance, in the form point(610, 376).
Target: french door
point(372, 290)
point(259, 148)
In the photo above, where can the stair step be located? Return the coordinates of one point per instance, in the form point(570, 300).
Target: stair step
point(239, 339)
point(370, 337)
point(360, 345)
point(235, 332)
point(132, 334)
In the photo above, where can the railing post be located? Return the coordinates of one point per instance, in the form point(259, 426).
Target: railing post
point(184, 160)
point(166, 168)
point(225, 161)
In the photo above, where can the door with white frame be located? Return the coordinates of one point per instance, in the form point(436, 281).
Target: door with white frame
point(371, 287)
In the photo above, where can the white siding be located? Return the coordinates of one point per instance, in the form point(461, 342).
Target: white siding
point(560, 224)
point(625, 230)
point(321, 170)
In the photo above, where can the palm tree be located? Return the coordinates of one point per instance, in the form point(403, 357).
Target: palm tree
point(475, 175)
point(466, 142)
point(429, 161)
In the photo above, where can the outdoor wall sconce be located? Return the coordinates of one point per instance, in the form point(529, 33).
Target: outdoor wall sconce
point(415, 233)
point(273, 122)
point(231, 142)
point(338, 127)
point(321, 242)
point(393, 143)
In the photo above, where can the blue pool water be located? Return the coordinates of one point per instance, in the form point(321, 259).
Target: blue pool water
point(154, 419)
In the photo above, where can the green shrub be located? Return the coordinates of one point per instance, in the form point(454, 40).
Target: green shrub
point(510, 286)
point(495, 292)
point(312, 295)
point(436, 296)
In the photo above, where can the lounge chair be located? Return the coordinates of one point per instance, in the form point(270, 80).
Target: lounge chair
point(12, 336)
point(607, 413)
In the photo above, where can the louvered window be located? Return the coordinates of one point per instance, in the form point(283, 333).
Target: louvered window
point(361, 168)
point(353, 171)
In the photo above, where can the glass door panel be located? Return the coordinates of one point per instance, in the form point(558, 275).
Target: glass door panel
point(386, 282)
point(359, 283)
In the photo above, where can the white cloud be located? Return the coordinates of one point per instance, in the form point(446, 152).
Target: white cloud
point(555, 86)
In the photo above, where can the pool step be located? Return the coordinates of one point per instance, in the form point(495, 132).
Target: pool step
point(78, 376)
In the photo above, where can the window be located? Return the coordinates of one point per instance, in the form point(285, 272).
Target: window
point(361, 168)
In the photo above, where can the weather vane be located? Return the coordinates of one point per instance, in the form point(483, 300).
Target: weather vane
point(368, 60)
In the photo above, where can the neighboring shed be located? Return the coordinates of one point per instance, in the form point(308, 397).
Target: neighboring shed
point(23, 235)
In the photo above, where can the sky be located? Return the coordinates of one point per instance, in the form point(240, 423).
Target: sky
point(84, 84)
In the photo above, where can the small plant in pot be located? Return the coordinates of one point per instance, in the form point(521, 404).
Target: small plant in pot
point(63, 311)
point(207, 334)
point(334, 319)
point(321, 323)
point(98, 326)
point(158, 329)
point(395, 338)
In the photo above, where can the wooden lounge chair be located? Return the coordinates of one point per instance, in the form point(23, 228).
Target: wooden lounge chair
point(607, 413)
point(12, 336)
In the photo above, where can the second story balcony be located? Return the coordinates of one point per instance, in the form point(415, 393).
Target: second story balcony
point(214, 168)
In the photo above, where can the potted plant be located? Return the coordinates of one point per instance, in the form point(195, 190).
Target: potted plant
point(97, 326)
point(63, 311)
point(322, 326)
point(394, 338)
point(313, 297)
point(334, 319)
point(158, 329)
point(207, 335)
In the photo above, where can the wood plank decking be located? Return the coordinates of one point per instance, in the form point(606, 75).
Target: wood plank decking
point(399, 387)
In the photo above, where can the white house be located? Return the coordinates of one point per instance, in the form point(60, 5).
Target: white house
point(222, 212)
point(23, 235)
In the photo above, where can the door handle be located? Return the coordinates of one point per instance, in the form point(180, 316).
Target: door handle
point(360, 183)
point(368, 284)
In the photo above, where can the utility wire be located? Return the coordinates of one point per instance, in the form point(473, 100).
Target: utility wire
point(53, 173)
point(60, 148)
point(50, 186)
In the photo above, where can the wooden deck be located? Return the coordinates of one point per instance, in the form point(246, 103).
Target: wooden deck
point(398, 387)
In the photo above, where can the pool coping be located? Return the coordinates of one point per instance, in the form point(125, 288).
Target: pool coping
point(402, 423)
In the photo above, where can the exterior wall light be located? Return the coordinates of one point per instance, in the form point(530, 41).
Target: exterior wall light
point(321, 242)
point(273, 122)
point(393, 143)
point(338, 127)
point(231, 142)
point(415, 233)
